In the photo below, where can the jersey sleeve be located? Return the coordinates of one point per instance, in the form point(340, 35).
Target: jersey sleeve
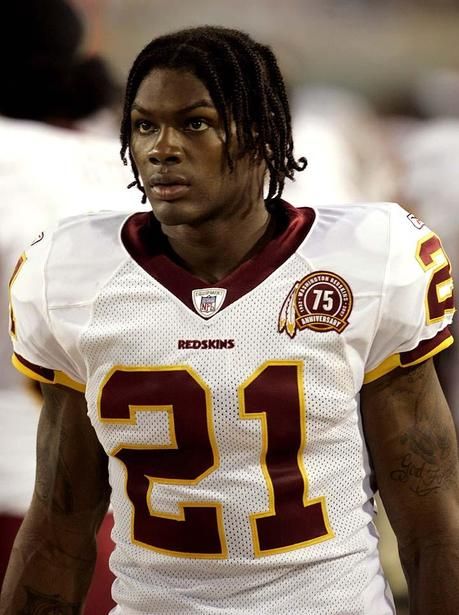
point(37, 352)
point(417, 302)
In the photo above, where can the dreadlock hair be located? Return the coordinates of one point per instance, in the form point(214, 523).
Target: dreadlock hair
point(246, 86)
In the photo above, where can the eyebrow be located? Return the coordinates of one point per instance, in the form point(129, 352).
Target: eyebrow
point(196, 105)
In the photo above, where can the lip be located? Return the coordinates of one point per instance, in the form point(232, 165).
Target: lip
point(169, 192)
point(166, 179)
point(168, 187)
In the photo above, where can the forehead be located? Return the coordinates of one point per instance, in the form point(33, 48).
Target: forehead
point(169, 89)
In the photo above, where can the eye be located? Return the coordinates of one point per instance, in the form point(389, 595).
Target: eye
point(196, 124)
point(144, 127)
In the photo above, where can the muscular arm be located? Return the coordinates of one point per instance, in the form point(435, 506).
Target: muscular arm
point(412, 442)
point(54, 553)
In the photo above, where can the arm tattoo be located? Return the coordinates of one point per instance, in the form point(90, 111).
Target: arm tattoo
point(424, 477)
point(41, 604)
point(428, 462)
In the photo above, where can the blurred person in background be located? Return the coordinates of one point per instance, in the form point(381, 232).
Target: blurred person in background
point(343, 139)
point(217, 307)
point(48, 169)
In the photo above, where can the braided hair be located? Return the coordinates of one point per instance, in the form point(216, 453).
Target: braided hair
point(245, 84)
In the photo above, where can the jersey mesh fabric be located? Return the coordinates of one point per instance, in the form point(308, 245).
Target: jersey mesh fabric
point(139, 329)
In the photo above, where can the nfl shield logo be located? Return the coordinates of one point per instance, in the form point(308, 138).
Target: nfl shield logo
point(208, 304)
point(207, 301)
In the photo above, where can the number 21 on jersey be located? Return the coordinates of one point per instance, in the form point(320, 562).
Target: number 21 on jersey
point(274, 396)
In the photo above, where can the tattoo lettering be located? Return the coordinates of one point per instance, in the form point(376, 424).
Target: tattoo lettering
point(42, 604)
point(428, 466)
point(424, 479)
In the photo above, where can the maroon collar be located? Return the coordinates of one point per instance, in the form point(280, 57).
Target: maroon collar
point(146, 244)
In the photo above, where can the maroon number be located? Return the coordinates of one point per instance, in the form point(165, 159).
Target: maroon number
point(439, 298)
point(190, 456)
point(274, 394)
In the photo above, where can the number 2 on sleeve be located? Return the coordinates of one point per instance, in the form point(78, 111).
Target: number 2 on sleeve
point(439, 297)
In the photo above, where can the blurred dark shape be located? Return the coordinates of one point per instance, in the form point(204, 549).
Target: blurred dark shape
point(433, 94)
point(30, 28)
point(44, 75)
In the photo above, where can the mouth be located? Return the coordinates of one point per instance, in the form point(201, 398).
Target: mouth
point(169, 188)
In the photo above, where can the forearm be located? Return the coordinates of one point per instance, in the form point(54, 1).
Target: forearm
point(54, 554)
point(413, 445)
point(432, 573)
point(50, 568)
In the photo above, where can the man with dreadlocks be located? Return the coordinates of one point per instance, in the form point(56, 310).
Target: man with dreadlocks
point(252, 371)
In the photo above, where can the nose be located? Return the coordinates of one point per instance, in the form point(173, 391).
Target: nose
point(166, 148)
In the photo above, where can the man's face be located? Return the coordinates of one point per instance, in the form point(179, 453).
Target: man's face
point(177, 142)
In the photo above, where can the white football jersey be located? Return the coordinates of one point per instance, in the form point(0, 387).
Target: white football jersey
point(240, 477)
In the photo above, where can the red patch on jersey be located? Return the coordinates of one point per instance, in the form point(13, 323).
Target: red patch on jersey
point(321, 301)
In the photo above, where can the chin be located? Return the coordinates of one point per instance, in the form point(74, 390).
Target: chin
point(174, 213)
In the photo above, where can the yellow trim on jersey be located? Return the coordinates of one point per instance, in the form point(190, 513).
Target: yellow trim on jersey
point(28, 372)
point(59, 377)
point(393, 361)
point(21, 261)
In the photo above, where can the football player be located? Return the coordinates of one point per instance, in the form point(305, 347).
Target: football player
point(252, 371)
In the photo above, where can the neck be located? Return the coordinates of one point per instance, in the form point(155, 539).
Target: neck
point(217, 247)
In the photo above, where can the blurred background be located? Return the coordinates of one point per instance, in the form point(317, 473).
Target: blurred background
point(374, 87)
point(382, 49)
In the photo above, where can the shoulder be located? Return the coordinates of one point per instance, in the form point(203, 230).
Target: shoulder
point(376, 245)
point(374, 227)
point(80, 237)
point(103, 224)
point(68, 262)
point(369, 212)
